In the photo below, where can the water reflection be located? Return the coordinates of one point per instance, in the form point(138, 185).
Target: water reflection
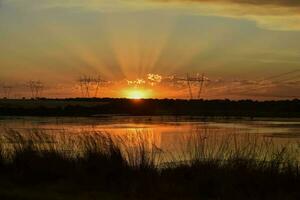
point(165, 132)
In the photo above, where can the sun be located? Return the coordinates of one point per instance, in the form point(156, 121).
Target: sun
point(135, 93)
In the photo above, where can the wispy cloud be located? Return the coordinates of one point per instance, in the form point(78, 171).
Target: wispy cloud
point(281, 15)
point(249, 2)
point(268, 14)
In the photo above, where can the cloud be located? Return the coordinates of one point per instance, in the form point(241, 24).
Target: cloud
point(281, 15)
point(249, 2)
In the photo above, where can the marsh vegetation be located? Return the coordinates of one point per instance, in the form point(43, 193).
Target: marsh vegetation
point(97, 165)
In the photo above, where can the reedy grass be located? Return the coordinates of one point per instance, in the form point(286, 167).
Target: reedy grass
point(206, 166)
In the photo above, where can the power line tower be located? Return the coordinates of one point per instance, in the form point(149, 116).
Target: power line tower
point(6, 89)
point(199, 80)
point(36, 88)
point(89, 84)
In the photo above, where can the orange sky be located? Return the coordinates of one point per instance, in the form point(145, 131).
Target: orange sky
point(247, 49)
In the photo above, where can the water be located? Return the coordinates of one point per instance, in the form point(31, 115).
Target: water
point(165, 132)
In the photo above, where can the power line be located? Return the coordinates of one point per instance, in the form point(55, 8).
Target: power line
point(199, 80)
point(248, 88)
point(280, 75)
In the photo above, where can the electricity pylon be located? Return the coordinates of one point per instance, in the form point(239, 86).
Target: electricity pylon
point(89, 84)
point(6, 89)
point(199, 80)
point(36, 88)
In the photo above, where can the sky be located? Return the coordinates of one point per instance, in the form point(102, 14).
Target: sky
point(246, 49)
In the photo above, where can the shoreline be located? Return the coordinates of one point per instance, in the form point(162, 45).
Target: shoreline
point(101, 108)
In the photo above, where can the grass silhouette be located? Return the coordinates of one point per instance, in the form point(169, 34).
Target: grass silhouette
point(37, 165)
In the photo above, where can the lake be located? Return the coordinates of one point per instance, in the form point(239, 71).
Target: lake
point(167, 133)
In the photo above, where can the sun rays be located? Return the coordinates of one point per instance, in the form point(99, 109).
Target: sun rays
point(125, 41)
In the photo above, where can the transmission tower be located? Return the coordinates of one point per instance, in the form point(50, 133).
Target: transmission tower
point(199, 80)
point(6, 89)
point(89, 84)
point(36, 88)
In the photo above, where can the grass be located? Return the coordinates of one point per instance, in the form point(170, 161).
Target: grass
point(37, 165)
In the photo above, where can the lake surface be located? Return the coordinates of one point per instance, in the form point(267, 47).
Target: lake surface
point(165, 132)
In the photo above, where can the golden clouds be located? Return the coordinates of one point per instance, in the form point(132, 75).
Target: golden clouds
point(281, 15)
point(268, 14)
point(249, 2)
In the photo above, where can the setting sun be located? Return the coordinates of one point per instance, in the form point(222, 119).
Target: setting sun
point(137, 94)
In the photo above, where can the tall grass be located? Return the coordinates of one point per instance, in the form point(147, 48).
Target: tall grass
point(208, 166)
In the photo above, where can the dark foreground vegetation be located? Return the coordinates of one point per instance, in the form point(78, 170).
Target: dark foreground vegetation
point(92, 107)
point(98, 166)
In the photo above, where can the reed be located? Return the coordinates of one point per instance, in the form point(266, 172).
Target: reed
point(208, 166)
